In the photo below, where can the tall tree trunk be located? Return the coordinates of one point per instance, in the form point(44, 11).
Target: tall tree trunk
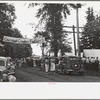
point(55, 52)
point(56, 48)
point(62, 52)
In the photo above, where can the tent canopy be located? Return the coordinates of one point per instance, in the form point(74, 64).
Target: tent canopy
point(91, 53)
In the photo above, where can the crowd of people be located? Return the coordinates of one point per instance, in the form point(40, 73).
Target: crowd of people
point(91, 63)
point(46, 65)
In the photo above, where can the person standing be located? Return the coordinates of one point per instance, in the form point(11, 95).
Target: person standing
point(46, 65)
point(87, 63)
point(52, 65)
point(57, 64)
point(83, 61)
point(34, 63)
point(97, 64)
point(63, 65)
point(92, 63)
point(19, 63)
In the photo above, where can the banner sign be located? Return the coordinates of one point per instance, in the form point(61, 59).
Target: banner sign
point(23, 40)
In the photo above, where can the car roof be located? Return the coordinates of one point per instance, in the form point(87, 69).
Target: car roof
point(3, 58)
point(8, 57)
point(69, 56)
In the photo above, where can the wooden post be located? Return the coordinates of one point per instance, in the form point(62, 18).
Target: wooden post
point(42, 52)
point(77, 21)
point(74, 39)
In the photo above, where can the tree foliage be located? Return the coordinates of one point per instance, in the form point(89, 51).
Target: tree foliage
point(91, 32)
point(17, 50)
point(7, 17)
point(52, 15)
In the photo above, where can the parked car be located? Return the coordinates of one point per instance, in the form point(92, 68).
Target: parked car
point(7, 65)
point(70, 64)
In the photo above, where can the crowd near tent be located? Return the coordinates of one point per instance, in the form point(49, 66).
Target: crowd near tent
point(91, 53)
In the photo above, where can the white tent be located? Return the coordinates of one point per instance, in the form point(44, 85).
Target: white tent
point(91, 53)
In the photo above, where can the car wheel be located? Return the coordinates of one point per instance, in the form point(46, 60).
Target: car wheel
point(76, 66)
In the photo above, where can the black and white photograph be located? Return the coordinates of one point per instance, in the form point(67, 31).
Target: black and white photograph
point(50, 49)
point(49, 41)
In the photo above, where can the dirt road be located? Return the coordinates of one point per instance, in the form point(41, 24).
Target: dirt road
point(37, 75)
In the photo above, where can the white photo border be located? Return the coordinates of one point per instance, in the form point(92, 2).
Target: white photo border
point(45, 90)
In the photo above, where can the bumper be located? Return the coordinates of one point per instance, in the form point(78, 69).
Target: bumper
point(78, 71)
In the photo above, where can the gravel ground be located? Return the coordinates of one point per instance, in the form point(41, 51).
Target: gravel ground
point(37, 75)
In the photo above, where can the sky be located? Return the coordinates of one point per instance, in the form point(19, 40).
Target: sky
point(26, 15)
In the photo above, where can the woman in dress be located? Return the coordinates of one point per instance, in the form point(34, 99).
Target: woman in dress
point(52, 67)
point(46, 65)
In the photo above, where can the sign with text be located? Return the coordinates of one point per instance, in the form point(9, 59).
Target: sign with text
point(22, 40)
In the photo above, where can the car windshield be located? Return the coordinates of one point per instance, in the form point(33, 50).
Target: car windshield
point(2, 63)
point(74, 58)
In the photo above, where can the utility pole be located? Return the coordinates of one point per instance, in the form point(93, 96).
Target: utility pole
point(77, 21)
point(74, 40)
point(43, 45)
point(9, 52)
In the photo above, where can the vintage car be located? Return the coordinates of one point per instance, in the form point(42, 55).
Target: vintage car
point(6, 65)
point(70, 64)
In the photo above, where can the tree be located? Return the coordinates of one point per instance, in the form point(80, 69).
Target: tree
point(17, 50)
point(7, 17)
point(16, 33)
point(65, 48)
point(91, 32)
point(52, 15)
point(90, 15)
point(22, 50)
